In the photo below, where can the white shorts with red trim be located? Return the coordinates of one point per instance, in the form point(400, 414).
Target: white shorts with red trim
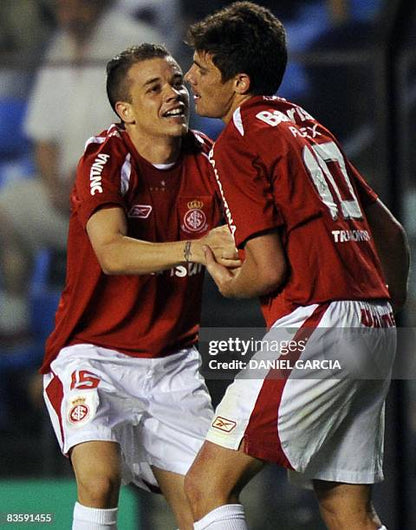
point(318, 408)
point(158, 410)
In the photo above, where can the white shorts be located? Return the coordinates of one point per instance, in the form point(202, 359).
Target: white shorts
point(158, 410)
point(323, 419)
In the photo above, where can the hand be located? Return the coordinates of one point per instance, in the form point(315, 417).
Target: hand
point(222, 276)
point(221, 244)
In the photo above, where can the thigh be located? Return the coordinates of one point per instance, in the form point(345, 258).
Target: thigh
point(172, 488)
point(85, 399)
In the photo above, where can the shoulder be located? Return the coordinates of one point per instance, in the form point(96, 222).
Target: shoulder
point(268, 123)
point(196, 142)
point(107, 145)
point(260, 113)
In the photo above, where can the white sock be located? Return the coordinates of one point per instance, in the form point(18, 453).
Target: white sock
point(86, 518)
point(227, 517)
point(382, 528)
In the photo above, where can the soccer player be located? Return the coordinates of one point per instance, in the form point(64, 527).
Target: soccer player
point(325, 256)
point(121, 369)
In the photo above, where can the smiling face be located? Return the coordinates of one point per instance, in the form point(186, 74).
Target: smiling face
point(158, 104)
point(213, 97)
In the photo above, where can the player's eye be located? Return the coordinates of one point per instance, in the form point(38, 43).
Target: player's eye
point(153, 89)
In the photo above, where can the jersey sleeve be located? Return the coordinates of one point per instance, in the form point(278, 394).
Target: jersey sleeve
point(366, 194)
point(100, 174)
point(246, 189)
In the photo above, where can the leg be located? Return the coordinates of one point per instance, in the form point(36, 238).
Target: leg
point(97, 467)
point(217, 477)
point(172, 486)
point(346, 506)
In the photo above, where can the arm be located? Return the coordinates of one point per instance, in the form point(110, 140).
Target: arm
point(119, 254)
point(393, 250)
point(263, 271)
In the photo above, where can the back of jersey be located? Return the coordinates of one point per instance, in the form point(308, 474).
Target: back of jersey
point(293, 175)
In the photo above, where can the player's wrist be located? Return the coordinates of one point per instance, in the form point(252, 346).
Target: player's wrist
point(187, 251)
point(193, 251)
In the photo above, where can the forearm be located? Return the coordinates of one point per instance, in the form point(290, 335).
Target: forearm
point(263, 271)
point(394, 255)
point(247, 283)
point(125, 255)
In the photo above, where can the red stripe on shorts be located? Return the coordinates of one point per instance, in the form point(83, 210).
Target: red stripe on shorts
point(261, 437)
point(55, 393)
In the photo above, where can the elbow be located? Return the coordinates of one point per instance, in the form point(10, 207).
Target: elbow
point(398, 233)
point(109, 264)
point(273, 279)
point(109, 269)
point(398, 300)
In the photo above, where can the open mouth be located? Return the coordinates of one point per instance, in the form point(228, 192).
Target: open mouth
point(179, 112)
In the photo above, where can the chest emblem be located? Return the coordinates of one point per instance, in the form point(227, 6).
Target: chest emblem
point(141, 211)
point(194, 219)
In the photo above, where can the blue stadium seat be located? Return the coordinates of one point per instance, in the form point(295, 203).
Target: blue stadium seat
point(13, 141)
point(16, 160)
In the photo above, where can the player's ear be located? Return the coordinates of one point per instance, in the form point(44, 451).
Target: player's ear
point(242, 83)
point(124, 111)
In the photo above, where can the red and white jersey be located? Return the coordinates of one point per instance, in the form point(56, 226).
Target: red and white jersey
point(277, 167)
point(148, 315)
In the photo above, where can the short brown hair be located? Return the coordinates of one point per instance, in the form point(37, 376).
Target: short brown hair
point(118, 67)
point(244, 38)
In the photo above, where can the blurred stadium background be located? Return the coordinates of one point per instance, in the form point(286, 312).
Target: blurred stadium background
point(353, 66)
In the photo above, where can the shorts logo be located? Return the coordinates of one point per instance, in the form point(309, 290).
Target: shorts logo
point(141, 211)
point(194, 219)
point(222, 424)
point(79, 411)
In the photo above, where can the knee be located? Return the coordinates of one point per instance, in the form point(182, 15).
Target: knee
point(205, 493)
point(193, 488)
point(340, 518)
point(99, 490)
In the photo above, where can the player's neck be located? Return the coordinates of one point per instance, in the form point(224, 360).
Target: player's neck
point(157, 150)
point(237, 101)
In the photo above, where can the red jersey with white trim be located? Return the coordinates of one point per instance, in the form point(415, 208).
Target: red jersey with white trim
point(148, 315)
point(278, 168)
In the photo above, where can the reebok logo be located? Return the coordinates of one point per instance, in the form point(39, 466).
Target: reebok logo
point(95, 173)
point(141, 211)
point(222, 424)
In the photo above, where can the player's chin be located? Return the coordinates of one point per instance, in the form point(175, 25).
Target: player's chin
point(179, 129)
point(205, 112)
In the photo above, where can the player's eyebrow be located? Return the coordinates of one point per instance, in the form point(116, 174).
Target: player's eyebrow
point(199, 65)
point(151, 81)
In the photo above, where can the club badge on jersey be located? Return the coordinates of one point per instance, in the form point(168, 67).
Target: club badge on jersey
point(194, 213)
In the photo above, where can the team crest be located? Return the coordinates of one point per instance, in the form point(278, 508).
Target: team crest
point(222, 424)
point(194, 219)
point(79, 411)
point(81, 408)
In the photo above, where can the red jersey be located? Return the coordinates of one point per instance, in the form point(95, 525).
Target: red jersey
point(148, 315)
point(278, 168)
